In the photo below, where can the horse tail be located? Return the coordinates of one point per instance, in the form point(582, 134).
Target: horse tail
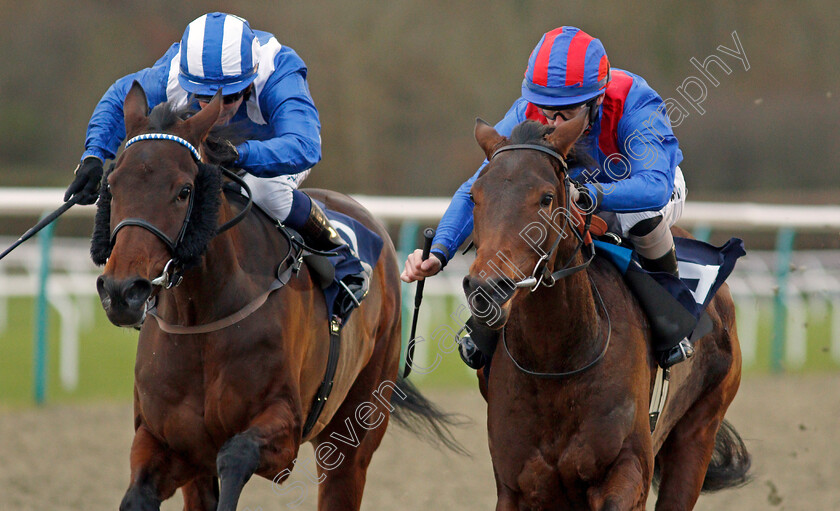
point(416, 414)
point(730, 463)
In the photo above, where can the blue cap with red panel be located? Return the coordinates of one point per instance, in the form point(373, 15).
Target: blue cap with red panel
point(567, 67)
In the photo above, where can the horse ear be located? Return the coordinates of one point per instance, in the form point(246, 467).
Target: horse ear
point(487, 137)
point(136, 110)
point(563, 137)
point(200, 124)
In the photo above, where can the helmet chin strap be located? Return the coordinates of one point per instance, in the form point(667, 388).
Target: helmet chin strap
point(594, 108)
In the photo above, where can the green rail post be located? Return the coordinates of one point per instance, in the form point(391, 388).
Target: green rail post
point(41, 315)
point(784, 252)
point(703, 232)
point(407, 244)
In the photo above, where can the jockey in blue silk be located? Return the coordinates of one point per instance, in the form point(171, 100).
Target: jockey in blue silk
point(264, 89)
point(637, 185)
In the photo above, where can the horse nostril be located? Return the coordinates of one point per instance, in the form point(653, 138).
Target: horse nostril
point(137, 291)
point(468, 285)
point(104, 294)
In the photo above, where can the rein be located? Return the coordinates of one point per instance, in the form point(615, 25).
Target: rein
point(282, 279)
point(541, 274)
point(566, 374)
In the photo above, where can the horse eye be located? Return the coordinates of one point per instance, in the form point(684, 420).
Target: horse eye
point(184, 193)
point(547, 199)
point(472, 199)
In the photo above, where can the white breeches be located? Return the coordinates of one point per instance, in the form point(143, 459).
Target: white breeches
point(274, 194)
point(671, 213)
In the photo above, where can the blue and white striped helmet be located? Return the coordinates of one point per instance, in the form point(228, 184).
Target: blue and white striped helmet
point(218, 51)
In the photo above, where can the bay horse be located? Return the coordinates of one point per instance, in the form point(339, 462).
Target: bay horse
point(227, 396)
point(579, 437)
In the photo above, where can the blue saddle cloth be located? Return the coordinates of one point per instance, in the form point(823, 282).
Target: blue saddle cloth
point(703, 269)
point(366, 246)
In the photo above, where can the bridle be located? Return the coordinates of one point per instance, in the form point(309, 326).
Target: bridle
point(172, 274)
point(541, 274)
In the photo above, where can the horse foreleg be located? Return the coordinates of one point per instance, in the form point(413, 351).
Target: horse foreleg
point(626, 485)
point(506, 499)
point(269, 445)
point(344, 470)
point(201, 494)
point(155, 473)
point(683, 459)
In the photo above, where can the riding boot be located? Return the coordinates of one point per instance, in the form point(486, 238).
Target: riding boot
point(685, 349)
point(319, 234)
point(470, 353)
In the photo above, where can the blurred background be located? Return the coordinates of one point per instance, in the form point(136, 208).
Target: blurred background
point(398, 85)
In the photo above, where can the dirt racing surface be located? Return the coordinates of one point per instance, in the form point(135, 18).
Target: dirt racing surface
point(76, 457)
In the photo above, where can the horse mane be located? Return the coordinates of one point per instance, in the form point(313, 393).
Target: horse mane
point(165, 115)
point(530, 132)
point(533, 132)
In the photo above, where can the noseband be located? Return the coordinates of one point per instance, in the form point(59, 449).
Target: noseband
point(172, 271)
point(541, 274)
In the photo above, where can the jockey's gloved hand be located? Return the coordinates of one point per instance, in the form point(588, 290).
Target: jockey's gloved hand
point(581, 198)
point(222, 151)
point(86, 183)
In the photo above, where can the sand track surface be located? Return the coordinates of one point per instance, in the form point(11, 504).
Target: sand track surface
point(76, 457)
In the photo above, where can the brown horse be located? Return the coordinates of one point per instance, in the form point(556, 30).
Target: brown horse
point(582, 440)
point(228, 397)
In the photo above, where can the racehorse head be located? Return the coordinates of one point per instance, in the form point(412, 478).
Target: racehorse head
point(162, 208)
point(521, 208)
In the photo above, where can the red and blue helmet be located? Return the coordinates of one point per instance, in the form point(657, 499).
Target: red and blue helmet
point(567, 67)
point(218, 51)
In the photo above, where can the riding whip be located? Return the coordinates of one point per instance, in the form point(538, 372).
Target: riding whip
point(43, 223)
point(429, 233)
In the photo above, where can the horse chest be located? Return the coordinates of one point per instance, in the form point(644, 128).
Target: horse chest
point(560, 442)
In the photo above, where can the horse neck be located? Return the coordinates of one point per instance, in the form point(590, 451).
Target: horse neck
point(559, 324)
point(219, 277)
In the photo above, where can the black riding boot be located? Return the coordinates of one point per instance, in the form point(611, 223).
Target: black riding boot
point(685, 349)
point(318, 233)
point(470, 353)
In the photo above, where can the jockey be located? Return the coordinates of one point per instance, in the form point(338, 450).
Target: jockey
point(637, 185)
point(264, 89)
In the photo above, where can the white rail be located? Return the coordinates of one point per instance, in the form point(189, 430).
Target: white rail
point(35, 201)
point(71, 292)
